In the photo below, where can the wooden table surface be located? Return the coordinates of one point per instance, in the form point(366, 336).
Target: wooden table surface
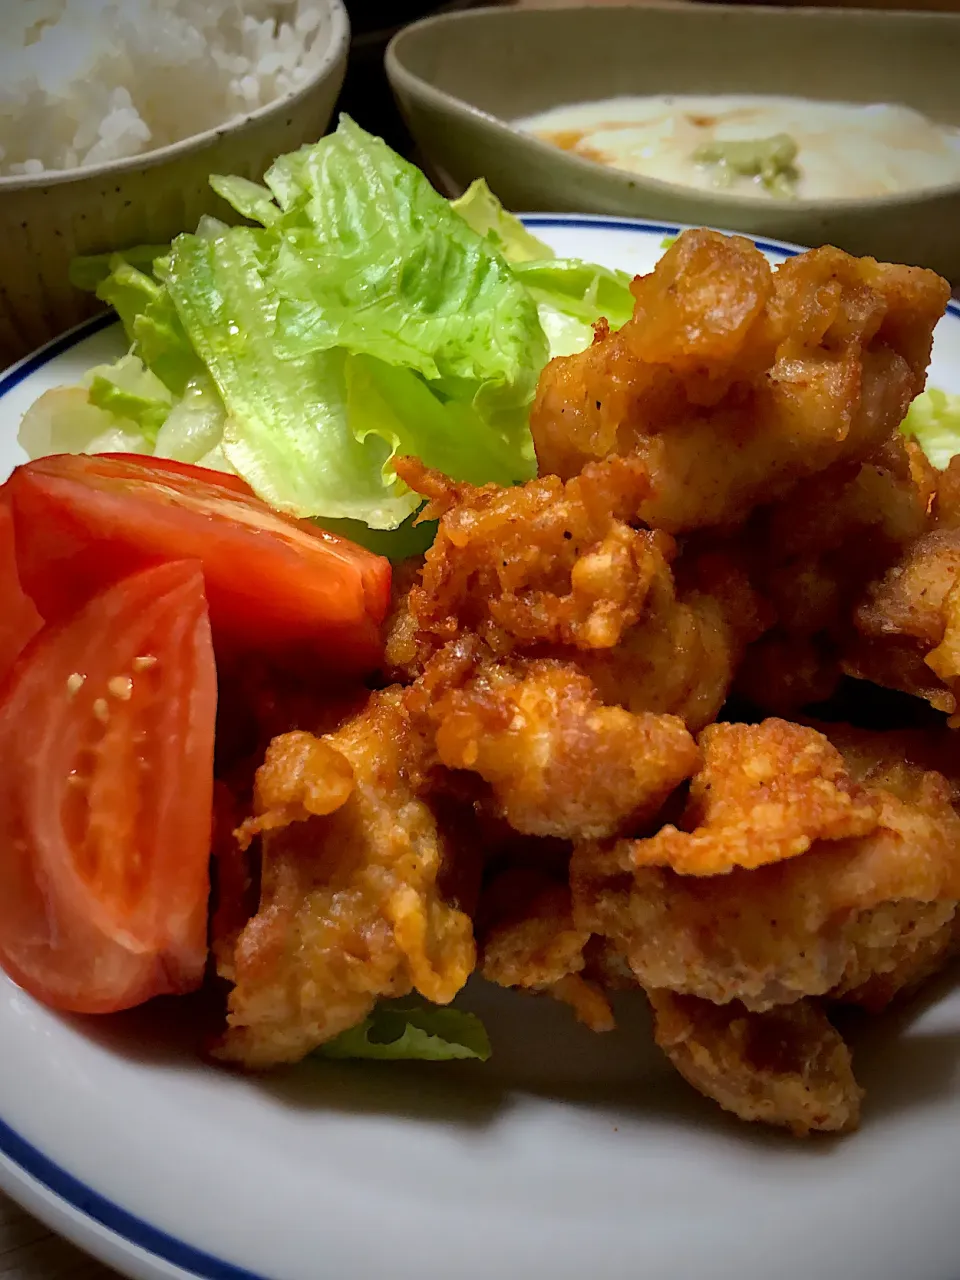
point(28, 1251)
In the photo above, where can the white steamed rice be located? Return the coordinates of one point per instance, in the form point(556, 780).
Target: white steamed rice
point(86, 81)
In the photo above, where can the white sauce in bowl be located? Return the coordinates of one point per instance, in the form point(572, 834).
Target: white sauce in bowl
point(844, 150)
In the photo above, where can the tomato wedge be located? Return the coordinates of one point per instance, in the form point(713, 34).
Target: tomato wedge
point(106, 792)
point(19, 620)
point(273, 584)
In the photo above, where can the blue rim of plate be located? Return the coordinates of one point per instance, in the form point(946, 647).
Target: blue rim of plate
point(27, 1159)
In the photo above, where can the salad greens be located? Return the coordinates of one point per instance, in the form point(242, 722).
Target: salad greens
point(933, 420)
point(359, 317)
point(397, 1033)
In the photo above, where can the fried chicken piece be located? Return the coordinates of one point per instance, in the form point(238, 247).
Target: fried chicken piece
point(350, 908)
point(789, 929)
point(765, 793)
point(922, 938)
point(559, 762)
point(528, 940)
point(946, 505)
point(813, 553)
point(541, 563)
point(896, 759)
point(787, 1067)
point(917, 941)
point(731, 382)
point(909, 624)
point(547, 568)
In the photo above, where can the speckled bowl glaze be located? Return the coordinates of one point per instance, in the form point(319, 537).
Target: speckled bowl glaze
point(460, 80)
point(48, 219)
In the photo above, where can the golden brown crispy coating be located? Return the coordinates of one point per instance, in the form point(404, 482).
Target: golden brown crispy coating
point(540, 563)
point(946, 505)
point(548, 568)
point(916, 941)
point(789, 929)
point(788, 1067)
point(401, 659)
point(731, 382)
point(765, 793)
point(528, 940)
point(681, 656)
point(301, 776)
point(813, 553)
point(559, 762)
point(350, 908)
point(921, 938)
point(909, 623)
point(896, 759)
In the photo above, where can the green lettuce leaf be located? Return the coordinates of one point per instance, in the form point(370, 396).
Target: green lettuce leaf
point(63, 420)
point(408, 539)
point(131, 393)
point(250, 199)
point(194, 426)
point(374, 261)
point(571, 296)
point(287, 428)
point(147, 313)
point(394, 1033)
point(579, 289)
point(933, 420)
point(89, 272)
point(481, 210)
point(117, 407)
point(129, 291)
point(364, 318)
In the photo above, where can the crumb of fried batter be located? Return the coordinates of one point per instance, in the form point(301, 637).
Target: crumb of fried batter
point(527, 939)
point(301, 776)
point(788, 1067)
point(586, 999)
point(733, 381)
point(765, 792)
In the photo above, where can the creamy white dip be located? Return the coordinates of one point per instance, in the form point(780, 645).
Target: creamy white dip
point(839, 150)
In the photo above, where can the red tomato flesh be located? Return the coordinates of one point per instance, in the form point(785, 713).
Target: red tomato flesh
point(106, 792)
point(273, 584)
point(19, 620)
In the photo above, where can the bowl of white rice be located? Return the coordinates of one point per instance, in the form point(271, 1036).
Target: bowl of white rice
point(113, 114)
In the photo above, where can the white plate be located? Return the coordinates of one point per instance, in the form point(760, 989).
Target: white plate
point(569, 1155)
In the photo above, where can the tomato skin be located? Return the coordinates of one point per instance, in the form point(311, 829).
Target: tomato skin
point(274, 585)
point(106, 786)
point(19, 619)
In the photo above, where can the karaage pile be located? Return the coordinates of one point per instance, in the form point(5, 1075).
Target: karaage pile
point(727, 523)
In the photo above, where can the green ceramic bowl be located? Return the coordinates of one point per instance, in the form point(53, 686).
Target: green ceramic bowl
point(461, 78)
